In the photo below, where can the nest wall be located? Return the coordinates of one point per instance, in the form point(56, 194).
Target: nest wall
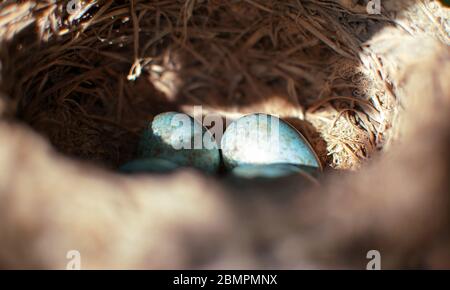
point(370, 92)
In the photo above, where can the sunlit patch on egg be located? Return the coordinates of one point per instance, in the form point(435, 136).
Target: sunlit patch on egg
point(259, 139)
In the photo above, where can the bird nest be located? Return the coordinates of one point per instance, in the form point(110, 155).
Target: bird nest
point(89, 76)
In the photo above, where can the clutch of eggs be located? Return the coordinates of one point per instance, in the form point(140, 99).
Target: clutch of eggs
point(254, 146)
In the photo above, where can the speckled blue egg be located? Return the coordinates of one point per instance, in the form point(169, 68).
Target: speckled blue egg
point(180, 139)
point(149, 165)
point(264, 139)
point(276, 170)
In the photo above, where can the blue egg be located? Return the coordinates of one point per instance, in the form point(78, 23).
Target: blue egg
point(259, 139)
point(149, 165)
point(180, 139)
point(268, 171)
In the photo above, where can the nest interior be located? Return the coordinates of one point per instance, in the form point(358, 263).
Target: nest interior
point(352, 82)
point(90, 80)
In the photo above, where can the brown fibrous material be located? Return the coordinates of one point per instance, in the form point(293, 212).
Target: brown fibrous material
point(370, 92)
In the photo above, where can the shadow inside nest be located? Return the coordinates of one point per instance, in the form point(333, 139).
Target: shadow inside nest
point(295, 59)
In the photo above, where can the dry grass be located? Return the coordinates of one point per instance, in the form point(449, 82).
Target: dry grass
point(91, 81)
point(353, 83)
